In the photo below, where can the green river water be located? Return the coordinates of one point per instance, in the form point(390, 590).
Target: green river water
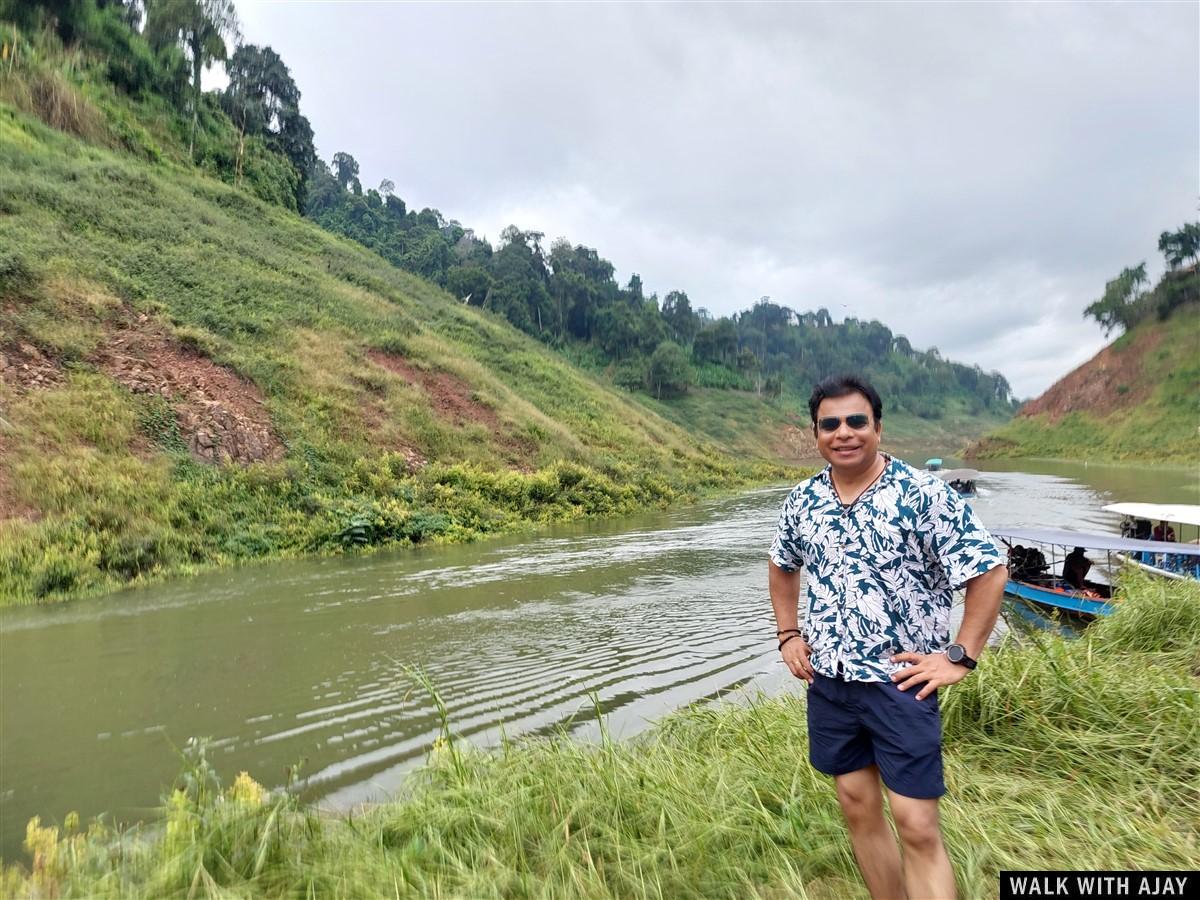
point(310, 660)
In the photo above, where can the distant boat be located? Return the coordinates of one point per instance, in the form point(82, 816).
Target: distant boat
point(1137, 524)
point(1034, 579)
point(933, 464)
point(962, 480)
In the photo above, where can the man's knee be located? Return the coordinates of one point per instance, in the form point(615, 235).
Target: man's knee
point(860, 795)
point(917, 823)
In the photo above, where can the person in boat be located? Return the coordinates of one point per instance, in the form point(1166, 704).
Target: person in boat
point(1018, 566)
point(882, 547)
point(1027, 563)
point(1163, 532)
point(1075, 569)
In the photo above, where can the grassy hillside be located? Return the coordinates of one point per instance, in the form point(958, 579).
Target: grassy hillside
point(191, 376)
point(1055, 759)
point(1139, 398)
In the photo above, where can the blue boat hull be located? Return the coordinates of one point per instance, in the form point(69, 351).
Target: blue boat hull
point(1059, 599)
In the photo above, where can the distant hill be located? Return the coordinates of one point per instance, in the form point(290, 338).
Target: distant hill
point(1138, 398)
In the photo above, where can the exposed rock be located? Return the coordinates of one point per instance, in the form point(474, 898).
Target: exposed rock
point(23, 367)
point(222, 418)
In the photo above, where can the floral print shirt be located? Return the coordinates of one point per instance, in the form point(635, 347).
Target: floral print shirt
point(881, 572)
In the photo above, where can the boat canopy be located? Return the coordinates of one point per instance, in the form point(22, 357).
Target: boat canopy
point(1093, 541)
point(934, 462)
point(958, 475)
point(1185, 513)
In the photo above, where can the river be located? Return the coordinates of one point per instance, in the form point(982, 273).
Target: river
point(312, 659)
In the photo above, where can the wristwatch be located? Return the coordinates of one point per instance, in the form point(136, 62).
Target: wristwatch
point(956, 653)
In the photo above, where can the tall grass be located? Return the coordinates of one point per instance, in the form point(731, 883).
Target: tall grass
point(1059, 754)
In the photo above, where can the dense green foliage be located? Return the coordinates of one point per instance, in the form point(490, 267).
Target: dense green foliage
point(84, 67)
point(1055, 758)
point(97, 247)
point(1177, 247)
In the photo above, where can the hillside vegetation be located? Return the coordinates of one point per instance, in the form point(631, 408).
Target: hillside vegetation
point(1138, 398)
point(194, 376)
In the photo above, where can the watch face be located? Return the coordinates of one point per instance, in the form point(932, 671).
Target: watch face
point(955, 653)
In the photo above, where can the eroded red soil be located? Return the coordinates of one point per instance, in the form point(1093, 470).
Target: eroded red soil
point(453, 400)
point(1110, 380)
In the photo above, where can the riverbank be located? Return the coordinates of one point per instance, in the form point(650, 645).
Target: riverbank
point(207, 518)
point(1069, 755)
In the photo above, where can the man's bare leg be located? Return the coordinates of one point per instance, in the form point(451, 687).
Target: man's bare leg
point(861, 798)
point(927, 870)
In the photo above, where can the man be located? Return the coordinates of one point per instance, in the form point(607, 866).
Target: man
point(882, 547)
point(1164, 532)
point(1076, 567)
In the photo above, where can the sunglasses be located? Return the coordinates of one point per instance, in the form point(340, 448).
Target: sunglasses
point(857, 421)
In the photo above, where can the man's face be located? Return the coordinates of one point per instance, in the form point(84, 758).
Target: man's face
point(847, 448)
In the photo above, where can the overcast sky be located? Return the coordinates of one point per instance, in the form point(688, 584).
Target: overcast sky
point(969, 174)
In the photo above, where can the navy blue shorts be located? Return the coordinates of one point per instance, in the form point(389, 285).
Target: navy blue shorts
point(852, 724)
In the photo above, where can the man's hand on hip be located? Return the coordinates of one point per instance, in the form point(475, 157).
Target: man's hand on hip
point(795, 655)
point(932, 669)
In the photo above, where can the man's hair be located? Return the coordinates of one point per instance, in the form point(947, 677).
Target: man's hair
point(841, 386)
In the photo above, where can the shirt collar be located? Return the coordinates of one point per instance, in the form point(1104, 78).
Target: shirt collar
point(891, 470)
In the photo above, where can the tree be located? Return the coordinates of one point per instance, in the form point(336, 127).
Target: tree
point(295, 141)
point(634, 291)
point(1180, 246)
point(260, 89)
point(202, 27)
point(470, 284)
point(717, 343)
point(668, 374)
point(677, 311)
point(616, 330)
point(1120, 305)
point(262, 99)
point(345, 170)
point(395, 206)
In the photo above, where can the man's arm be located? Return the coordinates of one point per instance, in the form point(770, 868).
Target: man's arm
point(981, 606)
point(785, 595)
point(785, 598)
